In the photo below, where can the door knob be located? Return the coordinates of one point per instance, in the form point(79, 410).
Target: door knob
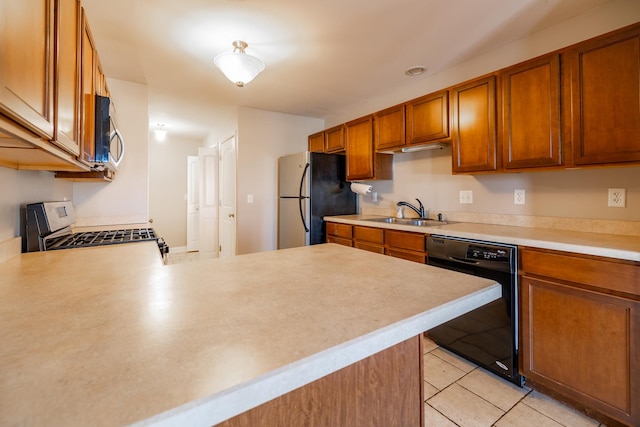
point(232, 216)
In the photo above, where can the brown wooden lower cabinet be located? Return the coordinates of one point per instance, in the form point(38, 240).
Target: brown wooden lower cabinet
point(368, 246)
point(580, 337)
point(400, 244)
point(369, 238)
point(382, 390)
point(339, 233)
point(406, 245)
point(339, 240)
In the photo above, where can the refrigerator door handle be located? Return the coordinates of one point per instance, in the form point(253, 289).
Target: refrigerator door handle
point(302, 197)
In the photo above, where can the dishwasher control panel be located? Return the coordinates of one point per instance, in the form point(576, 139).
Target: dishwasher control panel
point(488, 253)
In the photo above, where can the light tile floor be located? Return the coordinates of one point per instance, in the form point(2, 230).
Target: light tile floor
point(459, 393)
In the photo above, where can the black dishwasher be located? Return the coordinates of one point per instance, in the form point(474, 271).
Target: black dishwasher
point(488, 335)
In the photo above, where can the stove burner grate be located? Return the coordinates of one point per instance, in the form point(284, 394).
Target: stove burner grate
point(101, 238)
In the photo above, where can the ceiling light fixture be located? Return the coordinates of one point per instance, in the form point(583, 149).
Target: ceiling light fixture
point(160, 132)
point(237, 66)
point(415, 71)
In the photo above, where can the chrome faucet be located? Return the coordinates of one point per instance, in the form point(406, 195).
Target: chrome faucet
point(419, 210)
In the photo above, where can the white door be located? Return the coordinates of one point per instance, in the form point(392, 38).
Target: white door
point(227, 175)
point(193, 203)
point(208, 165)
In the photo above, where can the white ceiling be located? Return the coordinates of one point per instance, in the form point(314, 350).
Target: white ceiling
point(321, 56)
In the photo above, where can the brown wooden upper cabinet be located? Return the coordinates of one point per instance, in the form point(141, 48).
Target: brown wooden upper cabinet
point(389, 128)
point(362, 160)
point(530, 127)
point(474, 126)
point(26, 43)
point(328, 141)
point(67, 89)
point(334, 139)
point(427, 118)
point(316, 142)
point(605, 99)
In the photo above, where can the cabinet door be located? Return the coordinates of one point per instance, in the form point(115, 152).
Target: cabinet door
point(584, 345)
point(389, 128)
point(339, 240)
point(68, 76)
point(605, 95)
point(362, 161)
point(316, 142)
point(531, 114)
point(87, 102)
point(334, 139)
point(360, 155)
point(428, 118)
point(26, 43)
point(474, 126)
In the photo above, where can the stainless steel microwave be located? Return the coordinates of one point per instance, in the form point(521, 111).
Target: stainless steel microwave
point(109, 142)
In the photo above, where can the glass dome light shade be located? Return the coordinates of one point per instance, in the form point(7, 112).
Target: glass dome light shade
point(237, 66)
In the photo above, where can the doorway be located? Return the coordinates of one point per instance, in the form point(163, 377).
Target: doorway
point(193, 204)
point(227, 185)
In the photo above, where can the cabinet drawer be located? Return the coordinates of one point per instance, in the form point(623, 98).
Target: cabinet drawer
point(371, 247)
point(406, 240)
point(340, 230)
point(605, 273)
point(369, 234)
point(408, 255)
point(339, 240)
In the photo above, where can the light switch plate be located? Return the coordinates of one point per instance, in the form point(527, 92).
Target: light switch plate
point(466, 196)
point(617, 197)
point(249, 198)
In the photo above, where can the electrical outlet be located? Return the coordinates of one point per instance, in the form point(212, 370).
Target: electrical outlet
point(466, 196)
point(518, 197)
point(617, 197)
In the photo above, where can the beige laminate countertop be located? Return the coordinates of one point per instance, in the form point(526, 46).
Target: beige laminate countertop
point(606, 245)
point(110, 336)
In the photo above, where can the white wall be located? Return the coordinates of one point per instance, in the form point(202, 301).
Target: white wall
point(22, 187)
point(168, 186)
point(125, 200)
point(225, 124)
point(263, 136)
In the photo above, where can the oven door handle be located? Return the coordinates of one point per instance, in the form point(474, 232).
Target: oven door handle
point(463, 260)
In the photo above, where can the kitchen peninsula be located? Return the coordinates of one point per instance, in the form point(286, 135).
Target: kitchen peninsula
point(110, 336)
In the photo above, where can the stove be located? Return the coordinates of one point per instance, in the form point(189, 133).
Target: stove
point(47, 227)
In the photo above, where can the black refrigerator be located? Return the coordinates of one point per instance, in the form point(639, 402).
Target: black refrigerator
point(311, 186)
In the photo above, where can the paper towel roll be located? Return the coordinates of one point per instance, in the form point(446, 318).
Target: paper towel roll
point(362, 189)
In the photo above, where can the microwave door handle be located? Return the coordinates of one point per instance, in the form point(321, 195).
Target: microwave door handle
point(116, 134)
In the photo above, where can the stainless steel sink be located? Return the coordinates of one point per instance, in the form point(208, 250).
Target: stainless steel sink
point(410, 221)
